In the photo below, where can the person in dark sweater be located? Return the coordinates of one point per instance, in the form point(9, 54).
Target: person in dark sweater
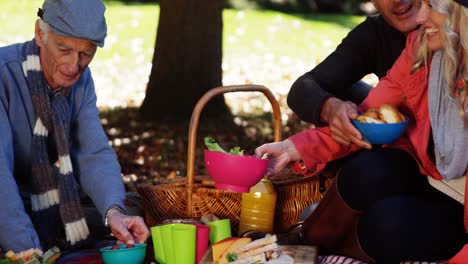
point(328, 94)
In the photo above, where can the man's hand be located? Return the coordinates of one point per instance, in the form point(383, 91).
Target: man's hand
point(338, 114)
point(279, 155)
point(127, 229)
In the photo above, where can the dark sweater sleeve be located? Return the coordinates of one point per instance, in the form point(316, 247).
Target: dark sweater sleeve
point(371, 47)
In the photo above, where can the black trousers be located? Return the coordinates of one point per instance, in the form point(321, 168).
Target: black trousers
point(403, 217)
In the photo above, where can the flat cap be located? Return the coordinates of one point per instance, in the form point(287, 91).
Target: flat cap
point(76, 18)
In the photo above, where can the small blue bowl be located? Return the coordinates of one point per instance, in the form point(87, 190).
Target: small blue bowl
point(379, 134)
point(123, 255)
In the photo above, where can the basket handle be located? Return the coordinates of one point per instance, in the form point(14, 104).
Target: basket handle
point(196, 117)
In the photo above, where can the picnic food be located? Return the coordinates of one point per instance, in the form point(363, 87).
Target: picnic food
point(33, 256)
point(51, 255)
point(220, 247)
point(233, 172)
point(27, 256)
point(229, 252)
point(385, 114)
point(244, 251)
point(212, 145)
point(372, 113)
point(124, 246)
point(390, 114)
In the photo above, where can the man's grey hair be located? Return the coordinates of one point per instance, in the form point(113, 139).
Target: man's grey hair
point(44, 28)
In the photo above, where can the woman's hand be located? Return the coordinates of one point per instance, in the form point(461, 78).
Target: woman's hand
point(127, 229)
point(279, 155)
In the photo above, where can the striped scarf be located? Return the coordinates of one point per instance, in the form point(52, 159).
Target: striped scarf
point(54, 191)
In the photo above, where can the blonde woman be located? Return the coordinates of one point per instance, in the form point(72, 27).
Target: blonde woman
point(382, 207)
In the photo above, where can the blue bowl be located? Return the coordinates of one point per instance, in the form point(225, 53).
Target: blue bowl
point(123, 255)
point(379, 134)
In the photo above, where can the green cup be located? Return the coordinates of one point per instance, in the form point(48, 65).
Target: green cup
point(219, 230)
point(183, 243)
point(158, 243)
point(166, 235)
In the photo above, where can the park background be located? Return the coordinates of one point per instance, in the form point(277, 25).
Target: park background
point(265, 42)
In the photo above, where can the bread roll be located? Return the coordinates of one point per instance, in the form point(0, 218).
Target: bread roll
point(386, 113)
point(389, 114)
point(372, 113)
point(366, 119)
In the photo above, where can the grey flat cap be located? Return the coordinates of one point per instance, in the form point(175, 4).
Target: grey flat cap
point(76, 18)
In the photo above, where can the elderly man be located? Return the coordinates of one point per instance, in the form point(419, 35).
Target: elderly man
point(53, 146)
point(329, 92)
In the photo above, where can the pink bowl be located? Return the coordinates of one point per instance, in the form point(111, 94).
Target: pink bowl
point(234, 172)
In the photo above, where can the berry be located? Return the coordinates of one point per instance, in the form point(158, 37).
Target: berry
point(115, 247)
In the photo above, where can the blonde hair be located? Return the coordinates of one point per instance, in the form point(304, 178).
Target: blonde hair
point(422, 54)
point(455, 47)
point(44, 28)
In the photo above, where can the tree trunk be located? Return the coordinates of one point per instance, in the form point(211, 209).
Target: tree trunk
point(187, 60)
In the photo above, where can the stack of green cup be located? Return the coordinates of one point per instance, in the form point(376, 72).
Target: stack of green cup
point(174, 243)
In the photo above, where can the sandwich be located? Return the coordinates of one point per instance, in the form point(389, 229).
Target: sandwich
point(243, 250)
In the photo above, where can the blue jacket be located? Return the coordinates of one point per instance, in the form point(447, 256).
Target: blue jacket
point(95, 164)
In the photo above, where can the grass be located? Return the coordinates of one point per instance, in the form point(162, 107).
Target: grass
point(244, 31)
point(260, 46)
point(296, 36)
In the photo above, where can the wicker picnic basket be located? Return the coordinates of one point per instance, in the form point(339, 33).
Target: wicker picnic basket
point(190, 199)
point(294, 193)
